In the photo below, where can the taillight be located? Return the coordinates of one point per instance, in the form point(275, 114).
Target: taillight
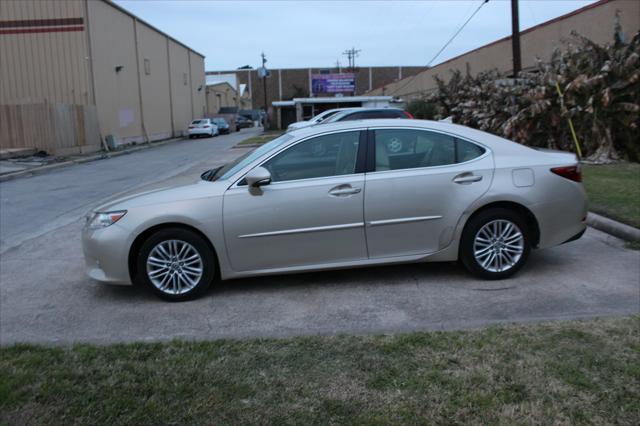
point(569, 172)
point(408, 114)
point(206, 126)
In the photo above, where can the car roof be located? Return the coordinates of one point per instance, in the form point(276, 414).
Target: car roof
point(362, 109)
point(493, 142)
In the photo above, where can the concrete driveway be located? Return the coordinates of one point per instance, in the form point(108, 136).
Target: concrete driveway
point(46, 298)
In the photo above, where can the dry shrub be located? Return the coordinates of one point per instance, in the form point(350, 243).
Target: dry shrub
point(601, 86)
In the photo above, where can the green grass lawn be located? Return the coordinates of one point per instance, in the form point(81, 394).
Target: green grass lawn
point(581, 372)
point(261, 139)
point(614, 191)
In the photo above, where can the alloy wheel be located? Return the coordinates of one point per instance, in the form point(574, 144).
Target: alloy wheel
point(174, 267)
point(498, 245)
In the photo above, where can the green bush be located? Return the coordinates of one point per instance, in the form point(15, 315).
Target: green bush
point(422, 109)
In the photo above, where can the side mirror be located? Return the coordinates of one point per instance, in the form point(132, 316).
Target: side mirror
point(258, 177)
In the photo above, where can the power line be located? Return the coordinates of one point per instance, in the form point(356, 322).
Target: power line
point(410, 79)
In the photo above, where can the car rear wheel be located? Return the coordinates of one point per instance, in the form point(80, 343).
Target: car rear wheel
point(177, 264)
point(495, 244)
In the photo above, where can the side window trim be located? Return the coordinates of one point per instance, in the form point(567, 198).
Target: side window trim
point(371, 149)
point(363, 149)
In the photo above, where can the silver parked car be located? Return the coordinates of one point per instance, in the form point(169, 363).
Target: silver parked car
point(316, 120)
point(346, 194)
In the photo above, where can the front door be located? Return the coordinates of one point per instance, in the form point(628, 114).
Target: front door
point(310, 214)
point(422, 183)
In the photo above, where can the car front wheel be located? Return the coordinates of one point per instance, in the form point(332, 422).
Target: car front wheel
point(177, 264)
point(495, 244)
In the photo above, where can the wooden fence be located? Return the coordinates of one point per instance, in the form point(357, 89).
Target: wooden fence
point(58, 129)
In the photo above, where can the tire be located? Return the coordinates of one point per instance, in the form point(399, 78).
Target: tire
point(190, 136)
point(501, 238)
point(173, 250)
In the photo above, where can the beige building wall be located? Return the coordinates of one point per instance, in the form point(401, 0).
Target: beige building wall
point(595, 21)
point(180, 87)
point(220, 95)
point(144, 84)
point(43, 52)
point(198, 85)
point(116, 89)
point(153, 66)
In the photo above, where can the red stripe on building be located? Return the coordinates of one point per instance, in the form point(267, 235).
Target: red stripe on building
point(41, 22)
point(41, 30)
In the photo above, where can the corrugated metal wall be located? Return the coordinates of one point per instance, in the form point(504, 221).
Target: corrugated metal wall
point(43, 52)
point(143, 83)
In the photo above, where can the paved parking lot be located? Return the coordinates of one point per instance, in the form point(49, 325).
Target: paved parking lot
point(46, 298)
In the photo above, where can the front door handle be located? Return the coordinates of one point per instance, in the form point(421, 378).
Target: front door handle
point(342, 190)
point(467, 178)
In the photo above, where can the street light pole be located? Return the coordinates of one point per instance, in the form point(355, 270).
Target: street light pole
point(515, 38)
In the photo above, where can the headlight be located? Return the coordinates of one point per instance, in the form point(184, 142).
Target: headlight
point(104, 219)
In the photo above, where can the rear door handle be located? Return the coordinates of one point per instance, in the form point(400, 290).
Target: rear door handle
point(342, 190)
point(467, 178)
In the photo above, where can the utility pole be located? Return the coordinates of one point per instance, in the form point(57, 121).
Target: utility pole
point(338, 66)
point(515, 38)
point(263, 71)
point(352, 54)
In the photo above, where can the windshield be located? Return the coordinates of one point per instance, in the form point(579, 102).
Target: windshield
point(324, 115)
point(232, 168)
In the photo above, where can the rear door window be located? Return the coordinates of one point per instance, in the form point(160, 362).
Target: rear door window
point(397, 149)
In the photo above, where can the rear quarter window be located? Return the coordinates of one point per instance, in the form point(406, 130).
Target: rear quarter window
point(467, 151)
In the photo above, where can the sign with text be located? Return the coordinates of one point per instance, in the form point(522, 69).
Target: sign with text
point(333, 83)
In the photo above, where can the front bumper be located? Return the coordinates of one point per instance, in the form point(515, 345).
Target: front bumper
point(106, 254)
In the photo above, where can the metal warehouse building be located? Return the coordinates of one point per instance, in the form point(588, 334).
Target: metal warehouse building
point(72, 71)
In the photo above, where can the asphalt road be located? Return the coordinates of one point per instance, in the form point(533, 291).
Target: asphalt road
point(35, 205)
point(46, 298)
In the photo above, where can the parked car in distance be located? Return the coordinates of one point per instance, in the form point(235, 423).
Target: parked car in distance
point(315, 120)
point(202, 127)
point(345, 194)
point(223, 126)
point(368, 113)
point(243, 122)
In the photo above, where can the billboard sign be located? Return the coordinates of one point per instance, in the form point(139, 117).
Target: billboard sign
point(333, 83)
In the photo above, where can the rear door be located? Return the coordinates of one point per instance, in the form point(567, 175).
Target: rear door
point(422, 182)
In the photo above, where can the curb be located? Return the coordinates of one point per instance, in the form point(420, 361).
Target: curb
point(95, 157)
point(617, 229)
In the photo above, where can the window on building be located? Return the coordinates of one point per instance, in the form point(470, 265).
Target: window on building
point(147, 66)
point(184, 78)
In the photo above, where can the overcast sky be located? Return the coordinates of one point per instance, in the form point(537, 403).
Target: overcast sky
point(315, 33)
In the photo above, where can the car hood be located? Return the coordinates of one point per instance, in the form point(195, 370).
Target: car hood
point(192, 191)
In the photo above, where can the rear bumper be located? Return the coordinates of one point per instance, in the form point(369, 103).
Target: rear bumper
point(576, 237)
point(200, 132)
point(562, 220)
